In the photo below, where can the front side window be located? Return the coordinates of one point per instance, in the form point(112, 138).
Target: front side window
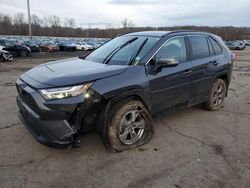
point(174, 48)
point(123, 50)
point(199, 47)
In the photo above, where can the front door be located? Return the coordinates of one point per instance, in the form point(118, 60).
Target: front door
point(170, 85)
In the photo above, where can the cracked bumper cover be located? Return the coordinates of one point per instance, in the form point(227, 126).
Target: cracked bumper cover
point(53, 133)
point(48, 121)
point(56, 123)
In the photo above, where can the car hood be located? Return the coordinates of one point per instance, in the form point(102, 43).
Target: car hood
point(72, 71)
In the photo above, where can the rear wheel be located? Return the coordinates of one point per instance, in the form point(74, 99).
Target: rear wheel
point(217, 95)
point(130, 126)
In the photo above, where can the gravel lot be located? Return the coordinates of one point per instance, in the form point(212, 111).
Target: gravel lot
point(190, 148)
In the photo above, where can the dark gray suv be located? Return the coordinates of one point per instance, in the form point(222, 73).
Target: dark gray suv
point(117, 87)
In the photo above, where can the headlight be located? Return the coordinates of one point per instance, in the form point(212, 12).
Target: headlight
point(64, 92)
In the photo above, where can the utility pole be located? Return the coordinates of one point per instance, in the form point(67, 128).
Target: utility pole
point(28, 6)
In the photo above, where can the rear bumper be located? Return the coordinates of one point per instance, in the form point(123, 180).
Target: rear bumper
point(56, 133)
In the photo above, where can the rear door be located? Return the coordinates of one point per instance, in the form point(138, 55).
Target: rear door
point(204, 66)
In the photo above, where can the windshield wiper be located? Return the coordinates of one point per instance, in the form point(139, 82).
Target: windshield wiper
point(131, 59)
point(109, 57)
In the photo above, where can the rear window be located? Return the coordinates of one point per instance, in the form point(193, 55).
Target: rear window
point(216, 46)
point(199, 47)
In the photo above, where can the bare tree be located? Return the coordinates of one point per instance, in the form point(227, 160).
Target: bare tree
point(126, 23)
point(69, 22)
point(35, 19)
point(51, 26)
point(19, 19)
point(54, 21)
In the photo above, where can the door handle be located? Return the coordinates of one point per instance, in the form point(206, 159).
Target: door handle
point(186, 72)
point(215, 63)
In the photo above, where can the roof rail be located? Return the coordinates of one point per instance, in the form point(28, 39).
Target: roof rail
point(123, 33)
point(180, 31)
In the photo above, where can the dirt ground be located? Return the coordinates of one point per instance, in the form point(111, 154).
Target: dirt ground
point(190, 148)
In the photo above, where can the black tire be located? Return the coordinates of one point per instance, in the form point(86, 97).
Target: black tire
point(114, 133)
point(1, 58)
point(216, 96)
point(24, 53)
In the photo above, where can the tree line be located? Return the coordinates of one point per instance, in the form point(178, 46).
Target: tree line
point(67, 27)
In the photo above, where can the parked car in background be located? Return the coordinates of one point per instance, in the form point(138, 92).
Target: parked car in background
point(49, 46)
point(83, 46)
point(14, 48)
point(234, 45)
point(34, 47)
point(241, 43)
point(94, 44)
point(117, 87)
point(5, 56)
point(66, 47)
point(247, 42)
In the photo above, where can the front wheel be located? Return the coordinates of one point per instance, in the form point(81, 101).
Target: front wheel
point(217, 95)
point(130, 126)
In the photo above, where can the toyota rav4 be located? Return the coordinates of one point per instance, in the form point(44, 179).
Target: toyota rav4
point(118, 87)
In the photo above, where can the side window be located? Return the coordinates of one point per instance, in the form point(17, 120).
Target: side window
point(216, 46)
point(2, 43)
point(211, 50)
point(174, 48)
point(199, 47)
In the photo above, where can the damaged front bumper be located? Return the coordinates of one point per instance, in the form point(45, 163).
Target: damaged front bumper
point(52, 123)
point(7, 56)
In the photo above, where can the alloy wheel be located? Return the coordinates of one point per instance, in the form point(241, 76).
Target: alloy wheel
point(131, 127)
point(218, 95)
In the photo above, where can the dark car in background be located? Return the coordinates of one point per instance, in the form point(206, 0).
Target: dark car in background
point(117, 87)
point(5, 56)
point(34, 47)
point(66, 47)
point(14, 48)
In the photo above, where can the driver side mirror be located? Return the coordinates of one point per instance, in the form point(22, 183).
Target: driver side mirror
point(166, 62)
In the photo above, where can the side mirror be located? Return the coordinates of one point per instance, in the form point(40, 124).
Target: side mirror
point(166, 62)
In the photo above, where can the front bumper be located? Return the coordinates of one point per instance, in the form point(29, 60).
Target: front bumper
point(56, 123)
point(56, 134)
point(48, 122)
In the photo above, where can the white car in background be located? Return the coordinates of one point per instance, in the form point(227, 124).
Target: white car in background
point(83, 46)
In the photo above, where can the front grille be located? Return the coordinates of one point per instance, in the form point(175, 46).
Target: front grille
point(28, 99)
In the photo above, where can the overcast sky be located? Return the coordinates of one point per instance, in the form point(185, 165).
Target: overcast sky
point(155, 13)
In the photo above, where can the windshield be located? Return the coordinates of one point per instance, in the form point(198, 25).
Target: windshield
point(123, 50)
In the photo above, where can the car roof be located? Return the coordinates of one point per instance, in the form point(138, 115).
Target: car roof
point(162, 33)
